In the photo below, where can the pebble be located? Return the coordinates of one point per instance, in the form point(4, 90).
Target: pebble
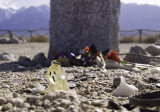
point(2, 100)
point(65, 103)
point(59, 109)
point(38, 103)
point(32, 99)
point(98, 110)
point(6, 107)
point(92, 94)
point(15, 95)
point(46, 103)
point(50, 97)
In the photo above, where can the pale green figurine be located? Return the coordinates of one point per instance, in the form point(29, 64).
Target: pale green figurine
point(57, 78)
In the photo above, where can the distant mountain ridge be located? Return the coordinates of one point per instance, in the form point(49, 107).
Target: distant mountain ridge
point(135, 16)
point(132, 16)
point(26, 18)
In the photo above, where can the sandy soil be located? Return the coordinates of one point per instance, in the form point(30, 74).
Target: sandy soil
point(31, 49)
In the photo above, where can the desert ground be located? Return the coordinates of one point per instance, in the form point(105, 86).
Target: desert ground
point(25, 88)
point(31, 49)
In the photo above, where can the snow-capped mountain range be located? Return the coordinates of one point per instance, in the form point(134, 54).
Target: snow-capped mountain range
point(132, 16)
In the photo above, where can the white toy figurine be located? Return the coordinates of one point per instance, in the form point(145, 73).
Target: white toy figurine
point(124, 89)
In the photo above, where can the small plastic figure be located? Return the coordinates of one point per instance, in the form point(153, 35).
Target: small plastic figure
point(57, 78)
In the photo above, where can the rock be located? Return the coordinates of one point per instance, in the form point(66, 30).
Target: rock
point(71, 85)
point(59, 109)
point(18, 102)
point(6, 107)
point(98, 110)
point(24, 60)
point(38, 103)
point(157, 42)
point(72, 108)
point(50, 97)
point(64, 61)
point(154, 70)
point(2, 100)
point(15, 95)
point(65, 103)
point(40, 58)
point(4, 41)
point(99, 103)
point(15, 41)
point(7, 57)
point(38, 89)
point(153, 50)
point(113, 105)
point(110, 64)
point(89, 28)
point(46, 103)
point(116, 82)
point(32, 99)
point(24, 105)
point(137, 59)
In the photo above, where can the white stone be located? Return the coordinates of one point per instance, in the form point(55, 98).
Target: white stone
point(154, 70)
point(38, 89)
point(7, 57)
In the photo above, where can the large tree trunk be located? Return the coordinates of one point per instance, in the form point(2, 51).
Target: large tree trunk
point(77, 23)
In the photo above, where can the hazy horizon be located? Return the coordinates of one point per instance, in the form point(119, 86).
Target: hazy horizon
point(17, 4)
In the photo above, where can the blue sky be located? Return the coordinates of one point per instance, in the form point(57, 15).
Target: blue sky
point(27, 3)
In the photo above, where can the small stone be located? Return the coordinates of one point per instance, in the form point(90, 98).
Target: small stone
point(6, 86)
point(39, 58)
point(38, 103)
point(50, 97)
point(99, 103)
point(25, 105)
point(15, 95)
point(46, 103)
point(2, 100)
point(28, 90)
point(59, 109)
point(1, 108)
point(137, 59)
point(84, 106)
point(72, 108)
point(24, 60)
point(14, 41)
point(32, 99)
point(38, 89)
point(113, 105)
point(65, 103)
point(153, 50)
point(4, 41)
point(98, 110)
point(19, 102)
point(116, 82)
point(7, 56)
point(7, 106)
point(32, 108)
point(71, 85)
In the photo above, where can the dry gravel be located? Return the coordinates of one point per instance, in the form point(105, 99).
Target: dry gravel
point(94, 86)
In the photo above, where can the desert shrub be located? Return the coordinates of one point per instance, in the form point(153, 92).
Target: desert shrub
point(151, 39)
point(39, 38)
point(130, 39)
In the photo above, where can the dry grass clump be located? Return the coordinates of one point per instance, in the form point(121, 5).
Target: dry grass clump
point(39, 38)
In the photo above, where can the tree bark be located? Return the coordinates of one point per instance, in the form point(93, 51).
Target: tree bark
point(75, 24)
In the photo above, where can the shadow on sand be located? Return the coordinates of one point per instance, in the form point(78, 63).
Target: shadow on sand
point(16, 67)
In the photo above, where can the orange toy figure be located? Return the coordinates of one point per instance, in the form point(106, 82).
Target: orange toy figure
point(86, 49)
point(113, 56)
